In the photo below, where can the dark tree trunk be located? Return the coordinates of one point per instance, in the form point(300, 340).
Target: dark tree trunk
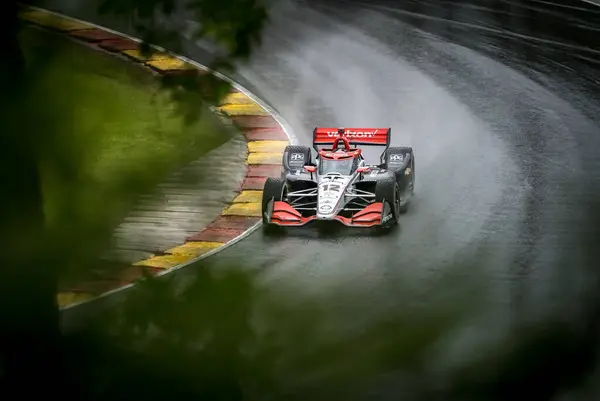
point(29, 325)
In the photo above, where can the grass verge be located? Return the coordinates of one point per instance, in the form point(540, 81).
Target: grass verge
point(107, 134)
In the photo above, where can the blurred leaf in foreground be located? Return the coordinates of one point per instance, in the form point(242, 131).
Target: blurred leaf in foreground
point(117, 135)
point(234, 25)
point(30, 139)
point(219, 333)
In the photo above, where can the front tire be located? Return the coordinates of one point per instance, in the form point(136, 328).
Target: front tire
point(274, 190)
point(388, 192)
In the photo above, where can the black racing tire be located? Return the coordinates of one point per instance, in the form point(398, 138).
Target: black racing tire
point(411, 186)
point(274, 189)
point(389, 191)
point(299, 149)
point(394, 150)
point(414, 172)
point(290, 149)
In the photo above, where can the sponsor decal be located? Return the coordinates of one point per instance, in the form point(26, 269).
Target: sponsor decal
point(332, 188)
point(386, 219)
point(396, 158)
point(329, 195)
point(407, 171)
point(353, 134)
point(374, 173)
point(333, 155)
point(325, 208)
point(297, 156)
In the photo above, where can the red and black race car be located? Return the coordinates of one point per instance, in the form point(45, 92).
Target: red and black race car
point(338, 184)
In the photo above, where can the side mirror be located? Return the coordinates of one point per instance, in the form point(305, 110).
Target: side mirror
point(363, 169)
point(310, 169)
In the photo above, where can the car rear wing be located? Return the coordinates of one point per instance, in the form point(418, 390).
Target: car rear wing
point(355, 136)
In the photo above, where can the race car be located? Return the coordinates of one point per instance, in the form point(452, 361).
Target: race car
point(339, 185)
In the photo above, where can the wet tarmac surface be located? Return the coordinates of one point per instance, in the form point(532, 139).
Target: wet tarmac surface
point(505, 139)
point(501, 102)
point(502, 111)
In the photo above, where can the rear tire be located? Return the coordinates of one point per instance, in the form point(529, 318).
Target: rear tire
point(410, 186)
point(293, 165)
point(397, 150)
point(388, 191)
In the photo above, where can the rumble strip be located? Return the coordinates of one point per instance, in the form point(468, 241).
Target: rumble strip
point(266, 134)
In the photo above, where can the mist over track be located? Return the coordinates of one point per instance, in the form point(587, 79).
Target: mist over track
point(501, 105)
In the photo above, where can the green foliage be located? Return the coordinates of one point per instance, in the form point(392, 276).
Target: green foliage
point(235, 25)
point(220, 333)
point(67, 165)
point(115, 135)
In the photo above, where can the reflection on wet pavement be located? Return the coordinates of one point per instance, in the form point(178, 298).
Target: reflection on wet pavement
point(495, 264)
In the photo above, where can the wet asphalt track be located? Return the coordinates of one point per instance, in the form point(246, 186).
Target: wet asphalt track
point(503, 117)
point(501, 103)
point(505, 129)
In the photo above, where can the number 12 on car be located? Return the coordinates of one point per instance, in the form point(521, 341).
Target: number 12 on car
point(331, 187)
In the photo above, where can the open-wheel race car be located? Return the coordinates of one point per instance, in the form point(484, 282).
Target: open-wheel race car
point(339, 185)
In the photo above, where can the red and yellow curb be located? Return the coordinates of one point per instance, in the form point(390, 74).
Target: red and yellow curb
point(266, 139)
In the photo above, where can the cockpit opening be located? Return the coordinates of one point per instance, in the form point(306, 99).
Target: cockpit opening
point(344, 166)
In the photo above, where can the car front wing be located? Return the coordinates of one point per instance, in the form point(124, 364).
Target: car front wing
point(283, 214)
